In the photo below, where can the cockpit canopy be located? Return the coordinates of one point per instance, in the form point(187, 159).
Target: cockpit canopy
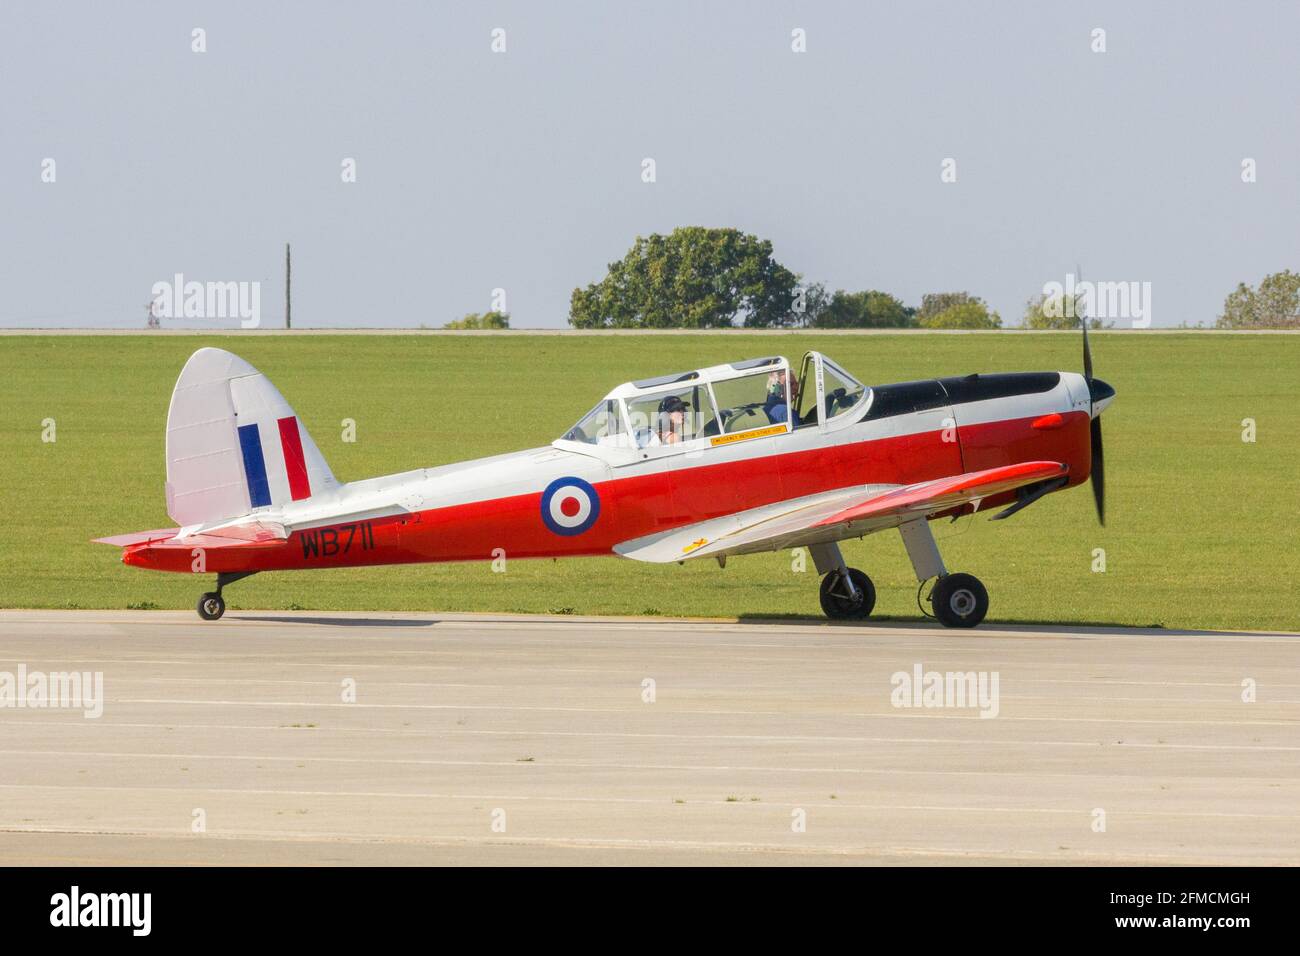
point(712, 403)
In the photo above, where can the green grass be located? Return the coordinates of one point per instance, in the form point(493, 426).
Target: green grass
point(1202, 527)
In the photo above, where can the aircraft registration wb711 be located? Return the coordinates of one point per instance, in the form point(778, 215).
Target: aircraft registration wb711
point(728, 460)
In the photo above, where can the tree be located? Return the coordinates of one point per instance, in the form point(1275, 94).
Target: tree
point(1274, 305)
point(1055, 312)
point(972, 314)
point(932, 303)
point(481, 320)
point(864, 310)
point(695, 278)
point(811, 301)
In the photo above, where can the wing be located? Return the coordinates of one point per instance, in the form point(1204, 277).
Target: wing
point(834, 516)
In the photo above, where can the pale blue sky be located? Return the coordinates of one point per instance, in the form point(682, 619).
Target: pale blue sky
point(522, 170)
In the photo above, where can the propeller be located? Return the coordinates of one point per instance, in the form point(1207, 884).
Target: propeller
point(1097, 391)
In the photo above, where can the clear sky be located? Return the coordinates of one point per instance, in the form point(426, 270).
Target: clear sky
point(522, 170)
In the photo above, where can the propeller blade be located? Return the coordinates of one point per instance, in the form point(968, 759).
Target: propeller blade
point(1098, 472)
point(1097, 389)
point(1083, 324)
point(1087, 352)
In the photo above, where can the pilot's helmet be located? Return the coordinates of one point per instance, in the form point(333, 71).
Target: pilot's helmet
point(673, 403)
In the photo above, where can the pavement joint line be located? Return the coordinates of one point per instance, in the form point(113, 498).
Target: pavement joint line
point(208, 659)
point(655, 624)
point(776, 686)
point(771, 738)
point(574, 765)
point(894, 715)
point(664, 802)
point(609, 843)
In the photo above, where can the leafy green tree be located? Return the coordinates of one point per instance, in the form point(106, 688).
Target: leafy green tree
point(481, 320)
point(972, 314)
point(932, 303)
point(1055, 312)
point(811, 301)
point(1274, 305)
point(864, 310)
point(695, 278)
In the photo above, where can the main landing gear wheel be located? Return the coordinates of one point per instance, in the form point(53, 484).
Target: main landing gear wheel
point(959, 600)
point(842, 603)
point(211, 606)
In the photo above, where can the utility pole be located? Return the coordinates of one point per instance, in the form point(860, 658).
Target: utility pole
point(288, 278)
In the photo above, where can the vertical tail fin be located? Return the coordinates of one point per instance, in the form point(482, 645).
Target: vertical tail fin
point(234, 445)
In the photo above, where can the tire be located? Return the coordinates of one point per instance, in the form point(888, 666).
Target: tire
point(211, 606)
point(959, 600)
point(836, 603)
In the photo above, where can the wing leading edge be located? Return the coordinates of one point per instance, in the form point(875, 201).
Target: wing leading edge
point(847, 513)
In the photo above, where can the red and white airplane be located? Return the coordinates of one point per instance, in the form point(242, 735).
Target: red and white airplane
point(721, 461)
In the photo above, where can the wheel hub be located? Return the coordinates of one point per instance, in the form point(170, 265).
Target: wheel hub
point(962, 602)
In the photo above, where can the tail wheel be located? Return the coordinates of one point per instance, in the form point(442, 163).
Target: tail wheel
point(211, 606)
point(840, 603)
point(959, 600)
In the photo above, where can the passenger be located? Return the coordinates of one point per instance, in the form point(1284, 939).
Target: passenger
point(778, 411)
point(672, 420)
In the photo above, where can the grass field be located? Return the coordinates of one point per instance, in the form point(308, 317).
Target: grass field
point(1202, 526)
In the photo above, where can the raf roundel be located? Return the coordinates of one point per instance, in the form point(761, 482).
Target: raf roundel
point(570, 506)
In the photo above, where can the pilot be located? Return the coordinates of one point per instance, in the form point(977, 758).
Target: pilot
point(775, 405)
point(672, 420)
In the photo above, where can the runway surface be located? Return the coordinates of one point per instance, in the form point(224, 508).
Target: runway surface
point(518, 740)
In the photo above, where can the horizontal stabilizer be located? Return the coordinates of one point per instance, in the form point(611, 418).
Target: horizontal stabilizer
point(138, 537)
point(208, 541)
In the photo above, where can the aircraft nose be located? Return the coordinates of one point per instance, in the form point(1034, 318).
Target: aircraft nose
point(1101, 394)
point(1100, 391)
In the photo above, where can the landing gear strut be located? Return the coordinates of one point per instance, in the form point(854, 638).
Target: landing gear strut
point(846, 593)
point(958, 600)
point(211, 604)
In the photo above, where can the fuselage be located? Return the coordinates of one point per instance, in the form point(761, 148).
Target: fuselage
point(568, 500)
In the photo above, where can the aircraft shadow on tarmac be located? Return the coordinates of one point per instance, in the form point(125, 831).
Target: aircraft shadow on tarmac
point(1063, 627)
point(1074, 628)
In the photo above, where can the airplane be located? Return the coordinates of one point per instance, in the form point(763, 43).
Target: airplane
point(715, 462)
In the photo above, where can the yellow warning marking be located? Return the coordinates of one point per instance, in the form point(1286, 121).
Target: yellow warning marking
point(746, 436)
point(699, 543)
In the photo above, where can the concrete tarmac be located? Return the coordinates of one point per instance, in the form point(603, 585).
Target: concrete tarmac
point(375, 738)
